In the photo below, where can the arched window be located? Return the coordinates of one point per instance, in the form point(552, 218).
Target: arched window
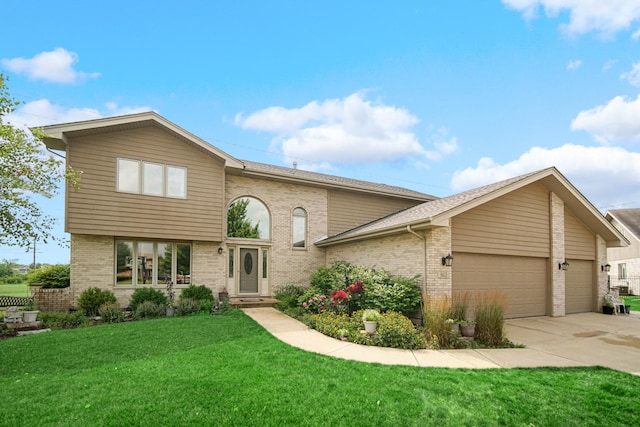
point(299, 228)
point(248, 218)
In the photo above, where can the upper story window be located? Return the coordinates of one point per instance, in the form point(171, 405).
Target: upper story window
point(151, 179)
point(249, 218)
point(299, 228)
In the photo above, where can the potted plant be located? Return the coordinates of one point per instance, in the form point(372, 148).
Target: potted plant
point(171, 308)
point(607, 306)
point(223, 295)
point(370, 317)
point(455, 326)
point(468, 328)
point(30, 312)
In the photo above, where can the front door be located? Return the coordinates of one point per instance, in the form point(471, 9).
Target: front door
point(248, 271)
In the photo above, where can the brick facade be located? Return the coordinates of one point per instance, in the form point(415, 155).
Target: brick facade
point(557, 306)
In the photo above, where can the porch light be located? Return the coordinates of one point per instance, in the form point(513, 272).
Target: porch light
point(447, 261)
point(563, 266)
point(606, 268)
point(220, 250)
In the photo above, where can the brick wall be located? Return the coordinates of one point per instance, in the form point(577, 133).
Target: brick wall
point(52, 299)
point(557, 306)
point(287, 266)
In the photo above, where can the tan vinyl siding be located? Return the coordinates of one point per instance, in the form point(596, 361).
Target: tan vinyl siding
point(347, 210)
point(579, 242)
point(514, 224)
point(98, 209)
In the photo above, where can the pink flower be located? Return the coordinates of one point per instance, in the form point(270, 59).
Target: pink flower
point(356, 287)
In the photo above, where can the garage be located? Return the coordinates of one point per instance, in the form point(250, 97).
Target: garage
point(579, 286)
point(522, 279)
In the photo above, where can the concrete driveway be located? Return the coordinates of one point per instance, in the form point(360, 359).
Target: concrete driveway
point(584, 339)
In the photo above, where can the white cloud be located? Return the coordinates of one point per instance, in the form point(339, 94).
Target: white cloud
point(633, 76)
point(608, 65)
point(347, 130)
point(607, 176)
point(600, 16)
point(618, 120)
point(574, 65)
point(43, 112)
point(55, 66)
point(635, 35)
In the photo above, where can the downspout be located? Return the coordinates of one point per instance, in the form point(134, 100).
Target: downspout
point(424, 258)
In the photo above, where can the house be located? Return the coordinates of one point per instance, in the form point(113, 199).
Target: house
point(625, 262)
point(158, 203)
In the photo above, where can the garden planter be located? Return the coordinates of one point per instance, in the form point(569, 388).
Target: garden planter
point(455, 328)
point(171, 311)
point(30, 316)
point(223, 296)
point(607, 309)
point(370, 327)
point(468, 331)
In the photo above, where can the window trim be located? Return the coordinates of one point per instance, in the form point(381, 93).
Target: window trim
point(140, 179)
point(305, 217)
point(154, 273)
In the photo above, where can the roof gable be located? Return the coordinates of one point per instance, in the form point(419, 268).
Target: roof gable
point(437, 213)
point(57, 135)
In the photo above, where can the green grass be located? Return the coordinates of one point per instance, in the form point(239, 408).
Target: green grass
point(19, 290)
point(633, 301)
point(227, 370)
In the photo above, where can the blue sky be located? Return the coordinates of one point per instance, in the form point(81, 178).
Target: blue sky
point(436, 96)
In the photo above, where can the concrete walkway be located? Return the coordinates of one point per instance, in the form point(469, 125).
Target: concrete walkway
point(586, 339)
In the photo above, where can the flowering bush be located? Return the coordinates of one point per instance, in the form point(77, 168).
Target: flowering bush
point(339, 297)
point(394, 330)
point(316, 304)
point(356, 287)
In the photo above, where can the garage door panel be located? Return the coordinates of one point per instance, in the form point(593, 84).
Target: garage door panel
point(579, 286)
point(522, 279)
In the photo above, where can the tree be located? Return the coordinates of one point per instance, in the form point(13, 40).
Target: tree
point(26, 169)
point(237, 223)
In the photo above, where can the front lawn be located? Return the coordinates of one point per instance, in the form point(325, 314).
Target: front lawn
point(14, 290)
point(227, 370)
point(633, 301)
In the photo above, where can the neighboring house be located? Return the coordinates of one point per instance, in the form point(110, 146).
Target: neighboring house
point(156, 202)
point(625, 261)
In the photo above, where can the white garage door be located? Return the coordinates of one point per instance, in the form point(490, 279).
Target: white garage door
point(579, 286)
point(522, 279)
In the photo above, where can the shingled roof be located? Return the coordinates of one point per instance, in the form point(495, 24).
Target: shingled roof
point(315, 178)
point(630, 218)
point(437, 213)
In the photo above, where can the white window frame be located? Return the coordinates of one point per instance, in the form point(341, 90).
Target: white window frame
point(167, 189)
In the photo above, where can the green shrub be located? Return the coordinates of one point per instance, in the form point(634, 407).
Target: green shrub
point(394, 330)
point(206, 306)
point(53, 276)
point(111, 313)
point(397, 331)
point(16, 279)
point(401, 295)
point(92, 298)
point(288, 296)
point(187, 306)
point(150, 309)
point(141, 295)
point(197, 292)
point(60, 320)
